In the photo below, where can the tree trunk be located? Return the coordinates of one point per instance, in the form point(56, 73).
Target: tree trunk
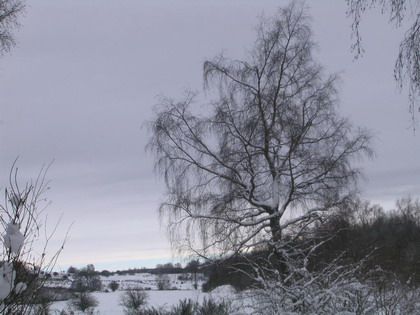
point(275, 230)
point(277, 260)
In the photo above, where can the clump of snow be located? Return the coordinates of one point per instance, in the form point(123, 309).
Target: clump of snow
point(13, 238)
point(20, 287)
point(225, 290)
point(7, 278)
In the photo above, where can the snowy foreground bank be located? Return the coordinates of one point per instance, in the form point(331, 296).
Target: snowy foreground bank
point(109, 302)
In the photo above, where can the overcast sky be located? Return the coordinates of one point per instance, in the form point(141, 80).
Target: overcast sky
point(84, 78)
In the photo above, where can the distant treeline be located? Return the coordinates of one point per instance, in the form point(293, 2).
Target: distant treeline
point(167, 268)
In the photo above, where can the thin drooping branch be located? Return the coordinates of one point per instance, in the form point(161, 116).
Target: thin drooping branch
point(407, 64)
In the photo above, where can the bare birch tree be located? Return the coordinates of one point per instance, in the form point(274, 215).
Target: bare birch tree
point(272, 153)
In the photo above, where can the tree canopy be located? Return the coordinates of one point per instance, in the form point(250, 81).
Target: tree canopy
point(271, 154)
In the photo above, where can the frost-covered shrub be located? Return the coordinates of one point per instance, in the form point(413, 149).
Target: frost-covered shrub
point(163, 282)
point(184, 307)
point(286, 283)
point(134, 301)
point(392, 296)
point(114, 285)
point(152, 311)
point(87, 280)
point(333, 289)
point(84, 302)
point(313, 296)
point(211, 307)
point(20, 267)
point(42, 309)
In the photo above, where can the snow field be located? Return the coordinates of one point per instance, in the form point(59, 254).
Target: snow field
point(109, 302)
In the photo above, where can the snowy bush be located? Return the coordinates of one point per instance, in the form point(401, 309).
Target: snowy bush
point(20, 268)
point(286, 283)
point(133, 301)
point(87, 279)
point(114, 285)
point(211, 307)
point(188, 307)
point(163, 282)
point(84, 302)
point(333, 289)
point(393, 296)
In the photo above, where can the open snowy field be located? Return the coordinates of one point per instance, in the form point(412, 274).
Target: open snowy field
point(148, 281)
point(109, 303)
point(181, 287)
point(145, 281)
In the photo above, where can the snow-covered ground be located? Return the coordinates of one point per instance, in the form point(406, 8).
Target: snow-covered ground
point(148, 281)
point(109, 303)
point(145, 281)
point(182, 287)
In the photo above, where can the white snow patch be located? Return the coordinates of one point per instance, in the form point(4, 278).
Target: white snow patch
point(7, 278)
point(13, 238)
point(224, 290)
